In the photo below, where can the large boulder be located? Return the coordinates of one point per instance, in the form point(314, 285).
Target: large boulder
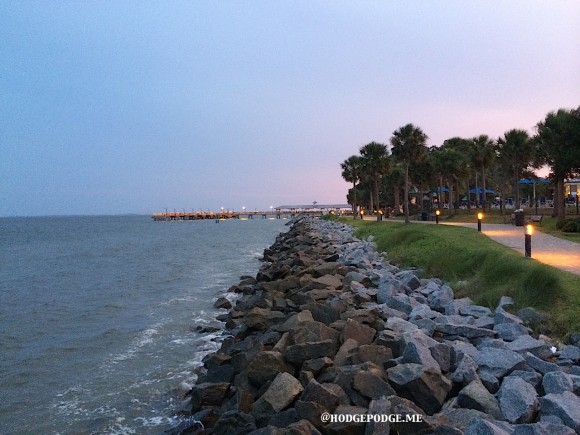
point(498, 362)
point(265, 366)
point(476, 396)
point(565, 406)
point(518, 400)
point(282, 391)
point(557, 382)
point(425, 385)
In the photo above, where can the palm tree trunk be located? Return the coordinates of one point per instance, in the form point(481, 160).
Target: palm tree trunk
point(516, 190)
point(406, 198)
point(440, 193)
point(476, 190)
point(483, 187)
point(397, 196)
point(354, 199)
point(377, 206)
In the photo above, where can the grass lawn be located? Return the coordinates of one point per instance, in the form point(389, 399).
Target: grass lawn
point(479, 268)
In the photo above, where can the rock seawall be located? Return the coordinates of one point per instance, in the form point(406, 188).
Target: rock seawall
point(328, 328)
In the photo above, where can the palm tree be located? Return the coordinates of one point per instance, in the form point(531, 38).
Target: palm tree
point(408, 145)
point(516, 150)
point(351, 169)
point(460, 165)
point(558, 139)
point(395, 178)
point(375, 163)
point(483, 156)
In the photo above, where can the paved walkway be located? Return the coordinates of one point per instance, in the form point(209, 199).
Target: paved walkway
point(547, 249)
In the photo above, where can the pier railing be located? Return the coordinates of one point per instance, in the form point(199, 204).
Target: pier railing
point(191, 216)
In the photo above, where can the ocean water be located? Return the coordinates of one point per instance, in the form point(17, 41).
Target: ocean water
point(98, 316)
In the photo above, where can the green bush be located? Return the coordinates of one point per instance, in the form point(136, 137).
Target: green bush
point(571, 226)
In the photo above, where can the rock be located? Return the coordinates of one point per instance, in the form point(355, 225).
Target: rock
point(363, 334)
point(265, 366)
point(261, 318)
point(565, 406)
point(282, 391)
point(480, 426)
point(458, 418)
point(466, 371)
point(408, 279)
point(427, 386)
point(518, 400)
point(475, 311)
point(466, 331)
point(399, 325)
point(371, 385)
point(476, 396)
point(499, 362)
point(223, 303)
point(540, 365)
point(570, 352)
point(234, 423)
point(295, 321)
point(557, 382)
point(329, 396)
point(418, 353)
point(400, 302)
point(533, 378)
point(440, 297)
point(403, 407)
point(510, 331)
point(542, 428)
point(505, 301)
point(346, 353)
point(348, 425)
point(208, 394)
point(326, 281)
point(311, 412)
point(378, 407)
point(502, 316)
point(298, 353)
point(441, 353)
point(356, 277)
point(489, 381)
point(526, 343)
point(530, 316)
point(373, 353)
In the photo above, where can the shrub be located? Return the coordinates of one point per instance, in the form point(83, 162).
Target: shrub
point(571, 226)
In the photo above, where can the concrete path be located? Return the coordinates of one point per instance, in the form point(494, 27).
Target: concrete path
point(547, 249)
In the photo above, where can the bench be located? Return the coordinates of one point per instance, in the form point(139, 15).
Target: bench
point(536, 218)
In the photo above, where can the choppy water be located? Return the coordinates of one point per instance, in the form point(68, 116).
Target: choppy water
point(98, 316)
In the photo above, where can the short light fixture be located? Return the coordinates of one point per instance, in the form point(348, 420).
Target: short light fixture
point(479, 218)
point(528, 241)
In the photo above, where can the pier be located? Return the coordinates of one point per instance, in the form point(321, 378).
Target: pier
point(280, 212)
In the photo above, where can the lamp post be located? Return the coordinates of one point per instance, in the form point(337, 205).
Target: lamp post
point(528, 241)
point(362, 213)
point(437, 213)
point(479, 218)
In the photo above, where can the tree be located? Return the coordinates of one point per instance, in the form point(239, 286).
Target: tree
point(351, 169)
point(375, 163)
point(408, 145)
point(394, 179)
point(483, 157)
point(558, 140)
point(516, 151)
point(458, 166)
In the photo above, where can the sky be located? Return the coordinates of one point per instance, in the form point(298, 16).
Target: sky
point(114, 107)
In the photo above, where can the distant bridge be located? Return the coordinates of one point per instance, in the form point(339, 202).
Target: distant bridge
point(281, 212)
